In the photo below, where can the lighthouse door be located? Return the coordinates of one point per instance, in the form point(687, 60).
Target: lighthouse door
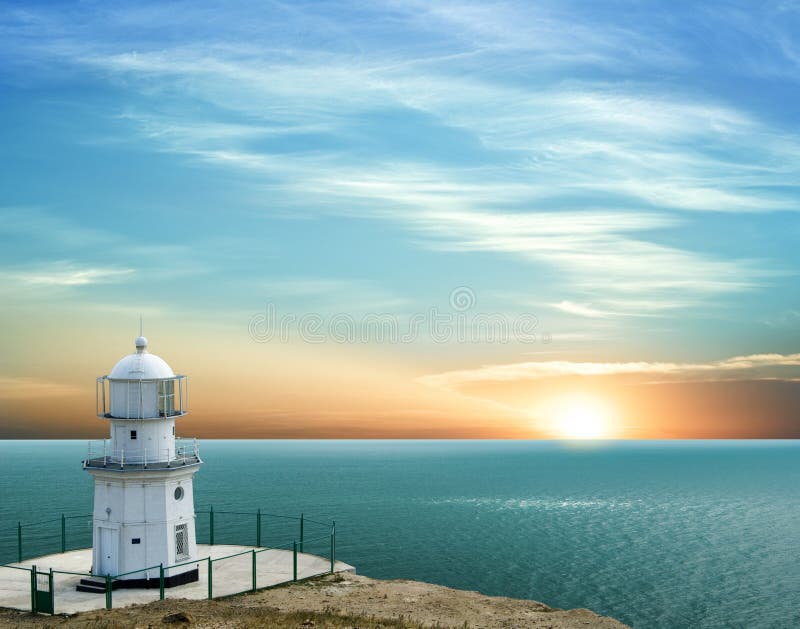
point(107, 555)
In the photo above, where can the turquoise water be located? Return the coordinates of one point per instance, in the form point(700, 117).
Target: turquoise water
point(657, 534)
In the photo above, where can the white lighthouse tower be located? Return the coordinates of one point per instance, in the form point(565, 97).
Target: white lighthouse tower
point(143, 499)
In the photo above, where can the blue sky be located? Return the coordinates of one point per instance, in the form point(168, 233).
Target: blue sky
point(626, 171)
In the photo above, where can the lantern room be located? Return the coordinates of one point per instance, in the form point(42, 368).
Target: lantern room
point(141, 386)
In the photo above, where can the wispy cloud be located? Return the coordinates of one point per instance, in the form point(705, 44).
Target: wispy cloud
point(669, 146)
point(550, 32)
point(461, 210)
point(63, 274)
point(593, 249)
point(760, 366)
point(582, 310)
point(580, 159)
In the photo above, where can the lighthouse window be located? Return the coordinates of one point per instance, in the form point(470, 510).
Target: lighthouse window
point(133, 435)
point(178, 493)
point(181, 541)
point(166, 398)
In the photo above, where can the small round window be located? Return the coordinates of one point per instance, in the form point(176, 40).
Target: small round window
point(178, 493)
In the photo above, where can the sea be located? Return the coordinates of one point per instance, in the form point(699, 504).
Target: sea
point(694, 534)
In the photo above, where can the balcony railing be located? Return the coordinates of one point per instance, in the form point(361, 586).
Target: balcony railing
point(101, 455)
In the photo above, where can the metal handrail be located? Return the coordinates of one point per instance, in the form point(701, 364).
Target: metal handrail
point(244, 552)
point(294, 548)
point(264, 514)
point(185, 448)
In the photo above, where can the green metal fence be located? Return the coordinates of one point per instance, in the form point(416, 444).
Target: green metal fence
point(47, 537)
point(310, 539)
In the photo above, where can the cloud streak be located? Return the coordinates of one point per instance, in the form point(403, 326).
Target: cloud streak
point(64, 275)
point(587, 173)
point(754, 366)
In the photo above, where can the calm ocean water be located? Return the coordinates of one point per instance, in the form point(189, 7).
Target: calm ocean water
point(656, 534)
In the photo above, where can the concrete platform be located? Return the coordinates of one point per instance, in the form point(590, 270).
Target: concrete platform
point(230, 576)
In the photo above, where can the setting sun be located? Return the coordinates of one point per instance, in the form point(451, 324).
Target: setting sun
point(581, 417)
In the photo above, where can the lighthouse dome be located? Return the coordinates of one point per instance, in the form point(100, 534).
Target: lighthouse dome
point(141, 365)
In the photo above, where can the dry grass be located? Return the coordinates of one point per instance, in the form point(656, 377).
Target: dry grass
point(331, 602)
point(202, 614)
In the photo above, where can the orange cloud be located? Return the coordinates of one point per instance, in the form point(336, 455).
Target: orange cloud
point(740, 397)
point(755, 365)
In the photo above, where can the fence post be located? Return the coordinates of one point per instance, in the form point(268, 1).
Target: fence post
point(63, 534)
point(294, 561)
point(301, 532)
point(258, 528)
point(210, 580)
point(19, 542)
point(52, 593)
point(108, 591)
point(211, 525)
point(33, 589)
point(254, 571)
point(333, 560)
point(333, 554)
point(161, 581)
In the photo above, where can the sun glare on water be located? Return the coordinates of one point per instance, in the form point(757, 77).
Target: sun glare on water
point(582, 417)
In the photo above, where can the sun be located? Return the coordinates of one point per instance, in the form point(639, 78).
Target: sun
point(582, 417)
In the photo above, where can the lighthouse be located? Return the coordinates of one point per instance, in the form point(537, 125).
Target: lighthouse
point(143, 515)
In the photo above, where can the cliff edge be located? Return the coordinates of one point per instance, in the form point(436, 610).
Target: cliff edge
point(335, 601)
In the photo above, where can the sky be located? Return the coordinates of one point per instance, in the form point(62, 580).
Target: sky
point(405, 219)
